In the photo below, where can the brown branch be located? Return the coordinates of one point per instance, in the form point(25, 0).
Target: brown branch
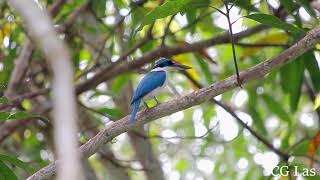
point(119, 67)
point(191, 99)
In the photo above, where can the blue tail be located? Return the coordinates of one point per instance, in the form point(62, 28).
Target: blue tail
point(135, 109)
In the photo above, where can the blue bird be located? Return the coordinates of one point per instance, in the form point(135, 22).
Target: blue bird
point(152, 84)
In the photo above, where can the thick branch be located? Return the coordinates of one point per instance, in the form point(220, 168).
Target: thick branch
point(120, 67)
point(65, 117)
point(191, 99)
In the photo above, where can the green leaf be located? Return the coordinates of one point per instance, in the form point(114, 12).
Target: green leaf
point(306, 5)
point(119, 82)
point(113, 113)
point(167, 9)
point(137, 15)
point(205, 69)
point(313, 69)
point(289, 5)
point(273, 21)
point(246, 4)
point(291, 80)
point(316, 103)
point(6, 173)
point(99, 7)
point(17, 115)
point(182, 165)
point(253, 111)
point(276, 108)
point(17, 162)
point(4, 100)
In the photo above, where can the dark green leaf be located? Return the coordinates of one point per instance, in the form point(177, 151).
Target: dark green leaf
point(6, 173)
point(253, 111)
point(4, 100)
point(17, 115)
point(276, 108)
point(313, 69)
point(291, 80)
point(99, 7)
point(289, 5)
point(167, 9)
point(273, 21)
point(17, 162)
point(113, 113)
point(246, 4)
point(204, 68)
point(119, 82)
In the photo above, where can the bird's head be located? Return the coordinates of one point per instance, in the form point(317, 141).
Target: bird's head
point(169, 64)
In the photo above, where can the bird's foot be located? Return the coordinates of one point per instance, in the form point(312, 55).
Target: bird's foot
point(146, 105)
point(156, 100)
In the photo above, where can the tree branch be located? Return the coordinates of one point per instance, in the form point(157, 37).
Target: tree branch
point(191, 99)
point(117, 68)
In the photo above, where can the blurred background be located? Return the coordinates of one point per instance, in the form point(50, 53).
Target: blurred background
point(202, 142)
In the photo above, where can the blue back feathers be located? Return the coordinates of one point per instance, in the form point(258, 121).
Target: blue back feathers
point(150, 82)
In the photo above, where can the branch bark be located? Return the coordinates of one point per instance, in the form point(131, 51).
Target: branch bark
point(64, 112)
point(191, 99)
point(119, 67)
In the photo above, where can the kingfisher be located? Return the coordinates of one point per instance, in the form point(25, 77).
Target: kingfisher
point(153, 83)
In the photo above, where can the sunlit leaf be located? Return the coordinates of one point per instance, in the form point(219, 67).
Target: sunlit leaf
point(185, 59)
point(26, 104)
point(182, 165)
point(273, 21)
point(167, 9)
point(276, 38)
point(7, 29)
point(316, 102)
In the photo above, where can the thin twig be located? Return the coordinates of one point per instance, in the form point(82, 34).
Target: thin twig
point(232, 44)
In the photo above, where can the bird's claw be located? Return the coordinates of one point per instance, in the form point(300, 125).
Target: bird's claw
point(146, 105)
point(156, 100)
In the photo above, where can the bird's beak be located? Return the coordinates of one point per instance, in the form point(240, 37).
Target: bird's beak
point(181, 66)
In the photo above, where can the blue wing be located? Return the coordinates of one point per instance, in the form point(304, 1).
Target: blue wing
point(150, 82)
